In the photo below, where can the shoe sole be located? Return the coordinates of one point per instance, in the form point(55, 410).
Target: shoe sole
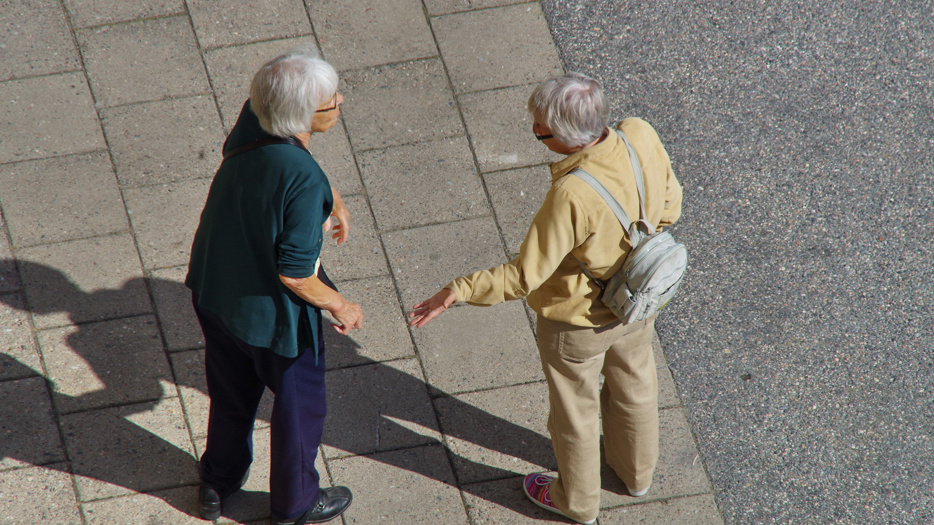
point(553, 509)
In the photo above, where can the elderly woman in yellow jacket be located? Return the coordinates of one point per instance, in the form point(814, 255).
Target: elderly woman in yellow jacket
point(578, 336)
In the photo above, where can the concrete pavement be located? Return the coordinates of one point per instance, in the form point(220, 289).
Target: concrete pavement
point(113, 114)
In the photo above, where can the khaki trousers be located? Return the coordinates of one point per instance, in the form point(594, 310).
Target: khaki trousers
point(573, 359)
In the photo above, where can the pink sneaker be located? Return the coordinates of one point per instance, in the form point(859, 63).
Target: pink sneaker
point(536, 488)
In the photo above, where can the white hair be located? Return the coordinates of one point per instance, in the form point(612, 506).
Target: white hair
point(287, 90)
point(572, 106)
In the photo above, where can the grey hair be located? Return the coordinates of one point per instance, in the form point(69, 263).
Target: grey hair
point(287, 90)
point(572, 106)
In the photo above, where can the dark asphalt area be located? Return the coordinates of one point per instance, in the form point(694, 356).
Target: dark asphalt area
point(803, 339)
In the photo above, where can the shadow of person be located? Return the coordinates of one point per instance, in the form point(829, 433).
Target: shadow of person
point(117, 403)
point(112, 390)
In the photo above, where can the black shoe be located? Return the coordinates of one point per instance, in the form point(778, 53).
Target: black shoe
point(331, 503)
point(210, 499)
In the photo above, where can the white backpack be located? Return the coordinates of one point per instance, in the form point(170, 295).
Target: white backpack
point(654, 268)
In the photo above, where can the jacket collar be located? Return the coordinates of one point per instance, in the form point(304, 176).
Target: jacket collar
point(574, 160)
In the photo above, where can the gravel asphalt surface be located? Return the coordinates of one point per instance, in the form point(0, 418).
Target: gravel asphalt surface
point(803, 340)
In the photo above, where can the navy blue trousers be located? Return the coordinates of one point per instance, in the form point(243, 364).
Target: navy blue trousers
point(237, 375)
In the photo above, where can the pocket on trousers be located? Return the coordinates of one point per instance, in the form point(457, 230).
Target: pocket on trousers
point(578, 346)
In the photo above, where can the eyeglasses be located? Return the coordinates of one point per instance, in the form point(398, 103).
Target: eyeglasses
point(332, 108)
point(544, 137)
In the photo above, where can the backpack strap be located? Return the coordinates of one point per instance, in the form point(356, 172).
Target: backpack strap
point(640, 181)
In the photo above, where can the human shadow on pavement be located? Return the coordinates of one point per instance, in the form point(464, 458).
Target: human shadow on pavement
point(114, 390)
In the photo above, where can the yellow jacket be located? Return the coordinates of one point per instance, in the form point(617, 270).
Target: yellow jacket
point(575, 224)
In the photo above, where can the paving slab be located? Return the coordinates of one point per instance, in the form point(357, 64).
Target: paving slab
point(680, 470)
point(412, 99)
point(9, 277)
point(60, 199)
point(498, 433)
point(372, 408)
point(384, 336)
point(413, 486)
point(667, 389)
point(444, 7)
point(27, 424)
point(103, 364)
point(472, 348)
point(86, 13)
point(175, 506)
point(692, 510)
point(503, 502)
point(423, 183)
point(37, 107)
point(495, 48)
point(500, 129)
point(111, 463)
point(231, 70)
point(361, 33)
point(69, 282)
point(39, 494)
point(164, 141)
point(516, 195)
point(361, 256)
point(172, 301)
point(332, 152)
point(139, 61)
point(425, 259)
point(164, 219)
point(20, 356)
point(244, 21)
point(35, 39)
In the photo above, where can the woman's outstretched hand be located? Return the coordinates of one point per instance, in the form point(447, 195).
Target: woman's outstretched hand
point(427, 310)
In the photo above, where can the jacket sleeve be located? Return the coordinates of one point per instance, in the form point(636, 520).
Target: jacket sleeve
point(559, 226)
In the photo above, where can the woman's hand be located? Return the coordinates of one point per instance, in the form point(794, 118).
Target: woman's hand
point(350, 316)
point(427, 310)
point(342, 228)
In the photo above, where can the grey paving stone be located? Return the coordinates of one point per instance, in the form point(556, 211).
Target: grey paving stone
point(139, 61)
point(500, 129)
point(59, 199)
point(362, 255)
point(423, 183)
point(378, 407)
point(177, 318)
point(27, 425)
point(18, 354)
point(470, 348)
point(332, 151)
point(54, 115)
point(425, 259)
point(667, 390)
point(384, 335)
point(165, 218)
point(9, 277)
point(503, 502)
point(232, 68)
point(144, 448)
point(176, 506)
point(193, 389)
point(86, 13)
point(680, 470)
point(443, 7)
point(499, 47)
point(693, 510)
point(361, 33)
point(245, 21)
point(498, 433)
point(96, 365)
point(413, 486)
point(516, 196)
point(164, 141)
point(41, 495)
point(70, 282)
point(35, 40)
point(412, 101)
